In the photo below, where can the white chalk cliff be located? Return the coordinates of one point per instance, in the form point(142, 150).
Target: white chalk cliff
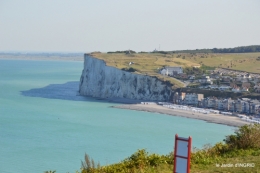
point(99, 80)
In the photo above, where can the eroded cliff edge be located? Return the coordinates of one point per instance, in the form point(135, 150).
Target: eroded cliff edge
point(99, 80)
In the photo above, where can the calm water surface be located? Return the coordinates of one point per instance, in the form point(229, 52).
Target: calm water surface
point(45, 125)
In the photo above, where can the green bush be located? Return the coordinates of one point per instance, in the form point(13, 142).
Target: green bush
point(131, 69)
point(139, 161)
point(245, 142)
point(246, 137)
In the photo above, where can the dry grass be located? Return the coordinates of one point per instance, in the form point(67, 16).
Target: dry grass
point(237, 61)
point(150, 63)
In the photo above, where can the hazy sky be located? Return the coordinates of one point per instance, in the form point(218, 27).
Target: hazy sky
point(140, 25)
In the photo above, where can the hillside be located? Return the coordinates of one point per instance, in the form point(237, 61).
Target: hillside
point(145, 63)
point(249, 62)
point(150, 63)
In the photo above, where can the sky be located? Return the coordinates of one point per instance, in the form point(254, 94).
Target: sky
point(140, 25)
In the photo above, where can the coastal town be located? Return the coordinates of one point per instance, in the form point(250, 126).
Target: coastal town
point(248, 109)
point(211, 109)
point(217, 79)
point(228, 94)
point(245, 109)
point(223, 80)
point(239, 106)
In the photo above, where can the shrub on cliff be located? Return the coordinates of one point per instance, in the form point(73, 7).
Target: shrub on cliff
point(244, 144)
point(139, 161)
point(246, 137)
point(131, 69)
point(124, 51)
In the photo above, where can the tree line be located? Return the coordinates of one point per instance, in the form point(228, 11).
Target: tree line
point(124, 51)
point(242, 49)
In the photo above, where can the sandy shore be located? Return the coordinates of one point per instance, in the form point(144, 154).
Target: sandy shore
point(211, 118)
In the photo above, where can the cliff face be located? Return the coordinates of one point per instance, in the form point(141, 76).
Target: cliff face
point(99, 80)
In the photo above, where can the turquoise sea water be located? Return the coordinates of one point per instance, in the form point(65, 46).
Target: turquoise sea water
point(45, 125)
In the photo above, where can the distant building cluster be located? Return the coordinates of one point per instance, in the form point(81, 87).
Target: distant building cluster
point(205, 80)
point(245, 85)
point(244, 105)
point(219, 79)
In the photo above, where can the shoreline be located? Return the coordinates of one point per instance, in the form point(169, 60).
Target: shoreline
point(135, 104)
point(210, 118)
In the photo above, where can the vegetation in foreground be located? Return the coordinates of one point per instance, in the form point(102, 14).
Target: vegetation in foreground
point(239, 153)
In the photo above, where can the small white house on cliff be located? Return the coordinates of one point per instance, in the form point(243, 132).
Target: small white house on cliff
point(171, 71)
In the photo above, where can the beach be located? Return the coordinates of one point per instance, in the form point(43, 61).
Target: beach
point(210, 118)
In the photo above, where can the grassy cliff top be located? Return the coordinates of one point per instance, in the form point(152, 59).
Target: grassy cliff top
point(150, 63)
point(145, 63)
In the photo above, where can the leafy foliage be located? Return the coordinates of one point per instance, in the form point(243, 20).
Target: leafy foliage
point(89, 165)
point(124, 51)
point(204, 67)
point(242, 49)
point(246, 137)
point(50, 171)
point(245, 143)
point(131, 69)
point(139, 161)
point(192, 71)
point(162, 52)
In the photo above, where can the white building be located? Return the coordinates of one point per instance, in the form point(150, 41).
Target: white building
point(192, 98)
point(220, 104)
point(228, 104)
point(213, 86)
point(206, 80)
point(245, 89)
point(192, 77)
point(236, 89)
point(223, 87)
point(171, 70)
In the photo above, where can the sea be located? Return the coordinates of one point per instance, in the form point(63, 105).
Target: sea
point(46, 125)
